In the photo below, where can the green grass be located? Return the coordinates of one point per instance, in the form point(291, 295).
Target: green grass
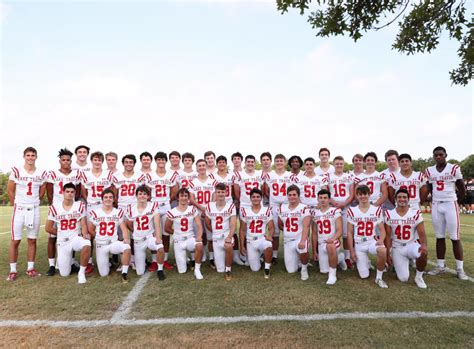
point(248, 293)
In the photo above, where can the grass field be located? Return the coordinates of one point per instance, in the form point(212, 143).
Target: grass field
point(248, 294)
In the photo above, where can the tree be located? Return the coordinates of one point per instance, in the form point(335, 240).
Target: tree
point(421, 23)
point(467, 167)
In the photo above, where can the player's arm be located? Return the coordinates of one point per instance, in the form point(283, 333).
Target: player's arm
point(129, 224)
point(42, 191)
point(11, 188)
point(78, 191)
point(383, 198)
point(266, 190)
point(112, 187)
point(157, 223)
point(91, 228)
point(84, 192)
point(382, 234)
point(169, 226)
point(270, 230)
point(314, 241)
point(50, 227)
point(243, 229)
point(391, 195)
point(233, 226)
point(388, 242)
point(280, 224)
point(350, 241)
point(173, 192)
point(424, 193)
point(461, 190)
point(84, 229)
point(49, 192)
point(125, 232)
point(338, 231)
point(420, 228)
point(199, 229)
point(305, 233)
point(208, 223)
point(351, 195)
point(237, 192)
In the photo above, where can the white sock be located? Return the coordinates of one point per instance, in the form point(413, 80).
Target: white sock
point(197, 266)
point(125, 269)
point(419, 274)
point(332, 271)
point(153, 257)
point(52, 262)
point(268, 265)
point(211, 255)
point(12, 267)
point(90, 260)
point(31, 265)
point(347, 254)
point(379, 274)
point(275, 254)
point(440, 263)
point(82, 270)
point(459, 265)
point(160, 266)
point(304, 267)
point(166, 256)
point(228, 269)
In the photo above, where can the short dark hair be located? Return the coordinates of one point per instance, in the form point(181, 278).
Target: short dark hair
point(324, 192)
point(310, 159)
point(267, 154)
point(280, 156)
point(358, 156)
point(69, 186)
point(255, 191)
point(208, 153)
point(82, 147)
point(30, 150)
point(182, 191)
point(293, 187)
point(390, 153)
point(161, 155)
point(324, 149)
point(221, 186)
point(439, 148)
point(199, 161)
point(339, 157)
point(362, 189)
point(250, 156)
point(144, 189)
point(107, 191)
point(97, 154)
point(176, 153)
point(404, 156)
point(371, 154)
point(64, 152)
point(188, 156)
point(131, 157)
point(296, 157)
point(403, 191)
point(147, 154)
point(221, 158)
point(237, 155)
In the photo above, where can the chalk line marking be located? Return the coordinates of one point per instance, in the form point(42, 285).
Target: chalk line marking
point(132, 297)
point(451, 271)
point(234, 319)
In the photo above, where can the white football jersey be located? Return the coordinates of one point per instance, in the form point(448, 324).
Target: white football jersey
point(183, 222)
point(293, 220)
point(444, 182)
point(256, 222)
point(326, 222)
point(161, 185)
point(184, 178)
point(58, 179)
point(68, 222)
point(27, 185)
point(374, 181)
point(220, 218)
point(228, 180)
point(412, 183)
point(320, 172)
point(353, 175)
point(385, 174)
point(340, 186)
point(95, 185)
point(76, 167)
point(106, 224)
point(403, 228)
point(127, 186)
point(364, 223)
point(309, 188)
point(143, 223)
point(247, 182)
point(277, 185)
point(202, 190)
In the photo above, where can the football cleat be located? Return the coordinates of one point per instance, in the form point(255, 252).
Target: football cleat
point(462, 275)
point(198, 275)
point(238, 261)
point(12, 276)
point(166, 265)
point(89, 268)
point(52, 270)
point(304, 274)
point(75, 268)
point(274, 261)
point(380, 283)
point(153, 267)
point(33, 273)
point(349, 264)
point(124, 278)
point(266, 273)
point(228, 276)
point(212, 264)
point(161, 275)
point(331, 280)
point(343, 265)
point(437, 271)
point(420, 282)
point(81, 278)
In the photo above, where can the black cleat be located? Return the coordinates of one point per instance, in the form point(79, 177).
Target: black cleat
point(124, 278)
point(212, 264)
point(75, 269)
point(274, 260)
point(51, 271)
point(193, 264)
point(266, 273)
point(161, 275)
point(228, 276)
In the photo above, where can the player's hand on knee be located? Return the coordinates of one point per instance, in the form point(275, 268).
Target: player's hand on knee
point(243, 250)
point(423, 250)
point(353, 256)
point(302, 245)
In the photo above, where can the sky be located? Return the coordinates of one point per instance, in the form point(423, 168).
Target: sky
point(216, 75)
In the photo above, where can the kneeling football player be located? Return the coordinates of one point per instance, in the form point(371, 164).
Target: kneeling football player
point(180, 222)
point(328, 225)
point(143, 217)
point(254, 222)
point(103, 226)
point(407, 237)
point(67, 221)
point(294, 220)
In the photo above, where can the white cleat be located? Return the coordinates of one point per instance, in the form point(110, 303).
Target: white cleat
point(331, 280)
point(238, 261)
point(420, 282)
point(81, 278)
point(380, 283)
point(304, 274)
point(343, 265)
point(462, 275)
point(198, 275)
point(437, 271)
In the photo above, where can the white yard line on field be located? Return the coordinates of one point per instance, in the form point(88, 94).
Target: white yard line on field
point(451, 271)
point(9, 232)
point(132, 297)
point(235, 319)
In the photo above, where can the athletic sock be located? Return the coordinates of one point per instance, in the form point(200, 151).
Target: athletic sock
point(125, 269)
point(90, 260)
point(268, 265)
point(419, 274)
point(153, 257)
point(211, 255)
point(275, 254)
point(347, 254)
point(160, 266)
point(304, 267)
point(440, 263)
point(52, 262)
point(31, 265)
point(12, 267)
point(166, 256)
point(459, 265)
point(379, 274)
point(82, 270)
point(332, 271)
point(197, 266)
point(227, 269)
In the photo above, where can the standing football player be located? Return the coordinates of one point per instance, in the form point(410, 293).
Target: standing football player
point(210, 158)
point(374, 180)
point(324, 166)
point(187, 174)
point(111, 161)
point(81, 164)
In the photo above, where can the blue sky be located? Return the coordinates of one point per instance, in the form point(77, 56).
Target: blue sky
point(221, 75)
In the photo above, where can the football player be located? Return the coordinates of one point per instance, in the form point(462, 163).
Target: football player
point(247, 180)
point(81, 164)
point(324, 166)
point(187, 174)
point(374, 180)
point(111, 160)
point(210, 158)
